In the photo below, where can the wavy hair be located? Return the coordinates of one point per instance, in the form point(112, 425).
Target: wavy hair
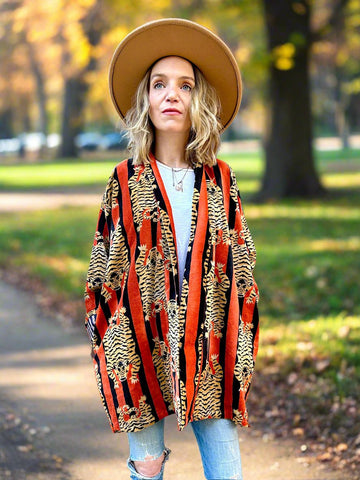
point(204, 138)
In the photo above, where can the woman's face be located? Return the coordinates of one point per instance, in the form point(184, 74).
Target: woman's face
point(171, 83)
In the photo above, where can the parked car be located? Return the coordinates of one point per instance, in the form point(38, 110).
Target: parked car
point(114, 141)
point(10, 146)
point(33, 141)
point(53, 140)
point(88, 141)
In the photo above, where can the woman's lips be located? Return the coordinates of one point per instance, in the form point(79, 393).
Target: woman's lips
point(171, 111)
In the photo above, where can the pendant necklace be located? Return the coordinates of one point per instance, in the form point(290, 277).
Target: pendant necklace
point(178, 184)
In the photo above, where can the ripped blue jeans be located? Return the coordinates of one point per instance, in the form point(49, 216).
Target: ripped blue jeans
point(218, 443)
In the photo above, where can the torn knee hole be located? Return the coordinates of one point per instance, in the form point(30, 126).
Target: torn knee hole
point(150, 466)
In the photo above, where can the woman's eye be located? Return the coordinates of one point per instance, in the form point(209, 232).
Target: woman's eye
point(187, 88)
point(158, 85)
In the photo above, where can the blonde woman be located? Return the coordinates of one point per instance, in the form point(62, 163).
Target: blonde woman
point(171, 299)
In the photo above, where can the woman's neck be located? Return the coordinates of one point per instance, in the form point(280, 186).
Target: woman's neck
point(170, 150)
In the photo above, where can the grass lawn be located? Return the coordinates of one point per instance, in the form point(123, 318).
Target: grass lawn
point(308, 256)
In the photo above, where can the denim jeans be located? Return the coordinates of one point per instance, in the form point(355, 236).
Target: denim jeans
point(218, 443)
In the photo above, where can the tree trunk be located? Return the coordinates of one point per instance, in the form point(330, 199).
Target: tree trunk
point(290, 169)
point(40, 91)
point(6, 123)
point(76, 87)
point(75, 91)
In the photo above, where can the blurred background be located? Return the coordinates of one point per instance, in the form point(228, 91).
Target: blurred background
point(295, 149)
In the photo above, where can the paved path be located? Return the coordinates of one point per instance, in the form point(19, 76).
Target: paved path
point(46, 377)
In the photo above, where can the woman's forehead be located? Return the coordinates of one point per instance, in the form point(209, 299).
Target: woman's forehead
point(171, 63)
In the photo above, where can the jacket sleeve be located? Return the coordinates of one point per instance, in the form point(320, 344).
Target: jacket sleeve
point(244, 263)
point(98, 262)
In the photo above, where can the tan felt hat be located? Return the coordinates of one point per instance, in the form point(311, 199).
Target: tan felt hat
point(175, 36)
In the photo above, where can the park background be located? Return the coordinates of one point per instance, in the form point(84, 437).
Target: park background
point(295, 150)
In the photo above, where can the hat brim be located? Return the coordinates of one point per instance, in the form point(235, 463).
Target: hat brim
point(184, 38)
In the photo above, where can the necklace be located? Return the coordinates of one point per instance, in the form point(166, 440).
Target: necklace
point(178, 184)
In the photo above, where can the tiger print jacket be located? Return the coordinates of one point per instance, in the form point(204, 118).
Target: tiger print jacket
point(156, 353)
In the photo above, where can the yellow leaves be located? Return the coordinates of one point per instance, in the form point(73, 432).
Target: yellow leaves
point(115, 35)
point(353, 87)
point(77, 44)
point(283, 56)
point(342, 56)
point(243, 53)
point(354, 20)
point(354, 5)
point(86, 4)
point(157, 5)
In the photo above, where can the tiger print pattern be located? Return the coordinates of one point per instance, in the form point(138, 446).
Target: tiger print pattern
point(173, 335)
point(245, 365)
point(217, 287)
point(162, 363)
point(150, 270)
point(99, 385)
point(196, 196)
point(217, 217)
point(119, 264)
point(180, 402)
point(167, 243)
point(133, 419)
point(109, 198)
point(152, 356)
point(123, 362)
point(242, 265)
point(234, 191)
point(144, 204)
point(208, 398)
point(98, 262)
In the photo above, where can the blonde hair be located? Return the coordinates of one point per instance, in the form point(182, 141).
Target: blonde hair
point(204, 137)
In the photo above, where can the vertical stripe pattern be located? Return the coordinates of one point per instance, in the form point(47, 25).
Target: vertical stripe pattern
point(157, 353)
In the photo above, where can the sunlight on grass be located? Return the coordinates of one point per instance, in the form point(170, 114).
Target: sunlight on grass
point(301, 210)
point(342, 180)
point(351, 244)
point(326, 345)
point(52, 175)
point(54, 246)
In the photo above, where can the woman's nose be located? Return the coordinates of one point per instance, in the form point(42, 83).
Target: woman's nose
point(172, 95)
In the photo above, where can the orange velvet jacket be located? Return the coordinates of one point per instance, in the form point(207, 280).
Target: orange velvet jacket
point(156, 353)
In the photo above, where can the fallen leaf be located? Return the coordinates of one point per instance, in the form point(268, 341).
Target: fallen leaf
point(325, 457)
point(322, 365)
point(292, 377)
point(296, 419)
point(341, 447)
point(344, 331)
point(24, 448)
point(57, 459)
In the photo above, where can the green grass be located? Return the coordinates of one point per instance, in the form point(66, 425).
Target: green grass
point(53, 246)
point(57, 175)
point(308, 255)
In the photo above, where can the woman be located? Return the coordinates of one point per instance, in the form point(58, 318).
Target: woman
point(170, 297)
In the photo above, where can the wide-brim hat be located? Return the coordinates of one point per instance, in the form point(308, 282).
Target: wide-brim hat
point(175, 37)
